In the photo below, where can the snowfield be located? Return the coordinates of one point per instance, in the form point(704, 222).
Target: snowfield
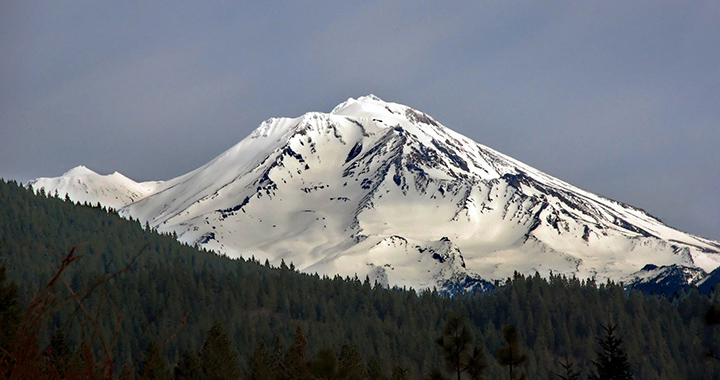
point(379, 189)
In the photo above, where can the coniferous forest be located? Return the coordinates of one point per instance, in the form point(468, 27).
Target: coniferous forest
point(96, 290)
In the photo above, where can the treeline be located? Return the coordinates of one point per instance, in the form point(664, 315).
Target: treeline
point(164, 285)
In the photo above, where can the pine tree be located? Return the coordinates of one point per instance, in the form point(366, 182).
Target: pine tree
point(9, 309)
point(456, 351)
point(154, 366)
point(510, 355)
point(400, 373)
point(295, 366)
point(188, 368)
point(325, 365)
point(568, 372)
point(9, 317)
point(612, 363)
point(260, 366)
point(375, 370)
point(712, 318)
point(350, 363)
point(60, 355)
point(218, 358)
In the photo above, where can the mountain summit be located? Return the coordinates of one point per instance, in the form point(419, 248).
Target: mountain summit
point(379, 189)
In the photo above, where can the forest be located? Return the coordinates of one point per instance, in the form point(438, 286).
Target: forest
point(88, 294)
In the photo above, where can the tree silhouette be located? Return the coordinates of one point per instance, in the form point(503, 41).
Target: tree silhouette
point(568, 372)
point(188, 368)
point(260, 366)
point(295, 366)
point(154, 366)
point(712, 318)
point(455, 346)
point(218, 357)
point(612, 363)
point(510, 355)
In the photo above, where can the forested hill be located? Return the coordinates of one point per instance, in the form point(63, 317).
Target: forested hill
point(393, 331)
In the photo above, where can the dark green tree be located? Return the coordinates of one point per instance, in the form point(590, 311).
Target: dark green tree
point(375, 370)
point(612, 363)
point(261, 364)
point(9, 309)
point(400, 373)
point(59, 355)
point(455, 346)
point(9, 318)
point(218, 358)
point(154, 366)
point(325, 365)
point(712, 318)
point(568, 371)
point(188, 367)
point(295, 366)
point(350, 363)
point(510, 355)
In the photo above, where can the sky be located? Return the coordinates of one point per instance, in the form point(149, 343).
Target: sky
point(620, 98)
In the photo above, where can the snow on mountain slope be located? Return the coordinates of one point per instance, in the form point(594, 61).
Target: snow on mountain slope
point(84, 185)
point(380, 189)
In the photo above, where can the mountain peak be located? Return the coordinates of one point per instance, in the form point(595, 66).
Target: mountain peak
point(80, 170)
point(380, 189)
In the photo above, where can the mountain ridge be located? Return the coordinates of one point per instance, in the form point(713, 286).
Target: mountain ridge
point(380, 189)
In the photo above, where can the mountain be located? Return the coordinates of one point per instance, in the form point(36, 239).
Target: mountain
point(666, 279)
point(84, 185)
point(379, 189)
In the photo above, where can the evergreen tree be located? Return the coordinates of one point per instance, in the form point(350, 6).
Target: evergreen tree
point(60, 355)
point(9, 310)
point(9, 318)
point(712, 318)
point(375, 370)
point(260, 366)
point(218, 358)
point(188, 368)
point(456, 350)
point(612, 363)
point(510, 355)
point(400, 373)
point(154, 366)
point(325, 365)
point(568, 372)
point(295, 366)
point(350, 363)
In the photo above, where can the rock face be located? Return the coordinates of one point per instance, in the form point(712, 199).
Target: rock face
point(382, 190)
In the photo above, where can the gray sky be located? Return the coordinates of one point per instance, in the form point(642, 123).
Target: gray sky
point(620, 98)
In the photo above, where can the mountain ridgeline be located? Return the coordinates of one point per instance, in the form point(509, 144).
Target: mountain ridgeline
point(392, 330)
point(379, 189)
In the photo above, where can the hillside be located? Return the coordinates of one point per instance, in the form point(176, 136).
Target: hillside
point(168, 279)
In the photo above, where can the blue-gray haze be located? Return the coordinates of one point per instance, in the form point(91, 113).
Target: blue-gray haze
point(621, 98)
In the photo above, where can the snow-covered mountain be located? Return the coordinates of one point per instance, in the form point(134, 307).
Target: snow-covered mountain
point(84, 185)
point(380, 189)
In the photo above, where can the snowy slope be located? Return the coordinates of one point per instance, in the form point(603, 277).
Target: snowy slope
point(380, 189)
point(84, 185)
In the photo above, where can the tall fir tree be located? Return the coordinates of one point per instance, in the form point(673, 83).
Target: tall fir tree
point(260, 366)
point(9, 309)
point(510, 355)
point(455, 347)
point(154, 366)
point(612, 363)
point(295, 366)
point(188, 367)
point(218, 357)
point(568, 371)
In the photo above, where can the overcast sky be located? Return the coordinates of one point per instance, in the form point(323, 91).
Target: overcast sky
point(621, 98)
